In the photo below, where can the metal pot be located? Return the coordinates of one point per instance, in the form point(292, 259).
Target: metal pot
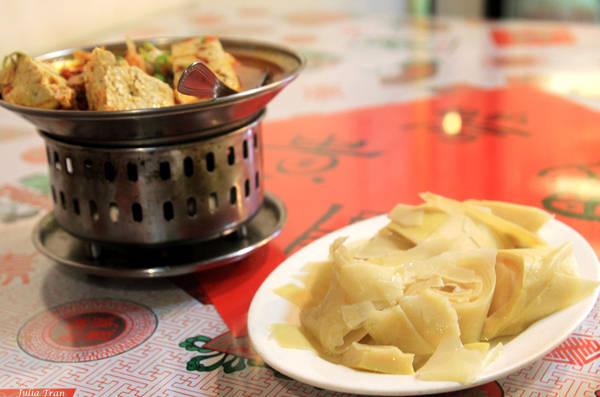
point(171, 174)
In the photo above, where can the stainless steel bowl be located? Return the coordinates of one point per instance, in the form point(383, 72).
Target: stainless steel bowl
point(171, 123)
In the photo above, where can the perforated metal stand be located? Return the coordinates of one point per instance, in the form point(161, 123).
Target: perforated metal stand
point(127, 261)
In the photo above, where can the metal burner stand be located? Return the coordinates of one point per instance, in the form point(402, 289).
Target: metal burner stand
point(166, 191)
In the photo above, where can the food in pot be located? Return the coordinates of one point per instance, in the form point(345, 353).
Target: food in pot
point(208, 50)
point(26, 81)
point(112, 84)
point(431, 293)
point(150, 59)
point(100, 80)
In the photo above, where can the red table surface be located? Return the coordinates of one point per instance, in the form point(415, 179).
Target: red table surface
point(516, 144)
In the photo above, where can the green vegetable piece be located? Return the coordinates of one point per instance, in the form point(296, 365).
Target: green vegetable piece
point(12, 58)
point(145, 54)
point(161, 61)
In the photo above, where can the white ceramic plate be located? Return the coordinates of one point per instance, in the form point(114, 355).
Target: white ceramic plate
point(268, 308)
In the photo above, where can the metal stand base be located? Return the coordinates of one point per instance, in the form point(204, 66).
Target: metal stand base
point(128, 261)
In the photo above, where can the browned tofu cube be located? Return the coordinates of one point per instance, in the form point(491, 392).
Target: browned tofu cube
point(112, 84)
point(29, 82)
point(208, 50)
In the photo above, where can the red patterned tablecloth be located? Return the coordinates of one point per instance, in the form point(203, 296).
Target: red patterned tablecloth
point(358, 132)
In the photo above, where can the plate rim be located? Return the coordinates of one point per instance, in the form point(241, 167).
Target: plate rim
point(419, 387)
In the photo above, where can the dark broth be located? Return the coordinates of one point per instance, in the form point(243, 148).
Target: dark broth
point(250, 71)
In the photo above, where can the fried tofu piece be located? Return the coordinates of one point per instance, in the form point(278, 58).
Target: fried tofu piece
point(29, 82)
point(112, 84)
point(208, 50)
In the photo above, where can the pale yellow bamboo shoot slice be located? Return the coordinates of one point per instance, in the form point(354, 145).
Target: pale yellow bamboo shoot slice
point(530, 218)
point(384, 359)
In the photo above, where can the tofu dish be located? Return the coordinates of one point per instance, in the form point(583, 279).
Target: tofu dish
point(143, 78)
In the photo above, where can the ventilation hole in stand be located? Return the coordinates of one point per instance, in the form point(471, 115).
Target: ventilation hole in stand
point(57, 161)
point(233, 195)
point(132, 172)
point(245, 149)
point(87, 168)
point(53, 194)
point(210, 162)
point(165, 170)
point(247, 188)
point(136, 212)
point(94, 211)
point(255, 140)
point(69, 165)
point(191, 207)
point(168, 211)
point(230, 155)
point(110, 173)
point(76, 206)
point(213, 202)
point(48, 155)
point(113, 212)
point(188, 166)
point(63, 202)
point(256, 181)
